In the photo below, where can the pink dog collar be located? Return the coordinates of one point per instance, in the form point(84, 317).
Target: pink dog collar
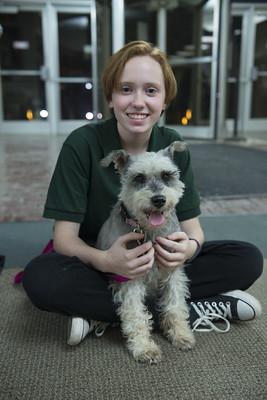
point(120, 278)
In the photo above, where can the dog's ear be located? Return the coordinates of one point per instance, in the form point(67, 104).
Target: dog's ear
point(118, 157)
point(175, 146)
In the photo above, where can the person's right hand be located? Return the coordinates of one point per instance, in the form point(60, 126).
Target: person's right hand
point(131, 263)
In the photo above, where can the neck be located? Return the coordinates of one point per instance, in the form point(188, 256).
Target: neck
point(134, 147)
point(134, 143)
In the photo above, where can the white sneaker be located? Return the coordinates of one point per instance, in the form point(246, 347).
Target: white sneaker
point(79, 328)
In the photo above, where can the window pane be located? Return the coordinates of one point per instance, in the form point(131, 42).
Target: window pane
point(140, 23)
point(259, 98)
point(76, 101)
point(190, 31)
point(192, 104)
point(259, 90)
point(23, 98)
point(21, 42)
point(74, 34)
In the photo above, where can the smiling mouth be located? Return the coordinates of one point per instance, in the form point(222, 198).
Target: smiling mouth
point(137, 116)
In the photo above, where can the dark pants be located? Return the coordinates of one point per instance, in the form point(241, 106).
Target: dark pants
point(66, 285)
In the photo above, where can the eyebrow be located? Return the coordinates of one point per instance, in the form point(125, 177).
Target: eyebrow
point(146, 83)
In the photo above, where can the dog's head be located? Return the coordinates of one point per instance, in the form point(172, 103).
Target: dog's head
point(151, 185)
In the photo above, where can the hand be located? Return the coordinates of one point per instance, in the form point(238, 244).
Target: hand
point(131, 263)
point(173, 251)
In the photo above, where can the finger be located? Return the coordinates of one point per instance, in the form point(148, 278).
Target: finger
point(143, 269)
point(131, 236)
point(141, 249)
point(171, 246)
point(166, 254)
point(166, 243)
point(143, 259)
point(166, 264)
point(177, 236)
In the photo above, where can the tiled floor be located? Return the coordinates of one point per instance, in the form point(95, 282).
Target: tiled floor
point(26, 166)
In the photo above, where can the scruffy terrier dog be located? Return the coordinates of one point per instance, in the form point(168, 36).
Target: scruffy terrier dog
point(151, 188)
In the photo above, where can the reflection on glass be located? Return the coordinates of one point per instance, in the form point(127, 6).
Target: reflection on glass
point(140, 22)
point(259, 90)
point(190, 31)
point(74, 34)
point(76, 101)
point(23, 98)
point(234, 52)
point(192, 104)
point(21, 42)
point(259, 98)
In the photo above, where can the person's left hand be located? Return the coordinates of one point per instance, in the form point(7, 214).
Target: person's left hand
point(172, 251)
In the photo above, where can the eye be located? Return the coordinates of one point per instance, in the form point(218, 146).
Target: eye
point(166, 176)
point(125, 89)
point(139, 179)
point(152, 91)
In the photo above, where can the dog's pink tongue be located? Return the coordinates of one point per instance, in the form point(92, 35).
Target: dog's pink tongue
point(156, 219)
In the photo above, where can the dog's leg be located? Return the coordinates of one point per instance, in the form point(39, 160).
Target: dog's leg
point(136, 321)
point(174, 311)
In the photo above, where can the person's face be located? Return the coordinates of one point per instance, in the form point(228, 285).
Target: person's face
point(140, 97)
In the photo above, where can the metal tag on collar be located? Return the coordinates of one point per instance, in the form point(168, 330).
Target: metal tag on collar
point(138, 229)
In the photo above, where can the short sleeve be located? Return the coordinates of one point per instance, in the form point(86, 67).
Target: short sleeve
point(67, 193)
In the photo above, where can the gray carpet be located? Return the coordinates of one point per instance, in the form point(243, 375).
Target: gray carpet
point(36, 363)
point(228, 170)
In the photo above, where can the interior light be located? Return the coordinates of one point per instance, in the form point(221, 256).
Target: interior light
point(88, 86)
point(89, 115)
point(184, 121)
point(43, 113)
point(188, 114)
point(29, 115)
point(21, 45)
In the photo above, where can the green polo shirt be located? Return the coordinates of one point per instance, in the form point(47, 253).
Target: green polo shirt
point(84, 192)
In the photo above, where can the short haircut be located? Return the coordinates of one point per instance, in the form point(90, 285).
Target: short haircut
point(114, 68)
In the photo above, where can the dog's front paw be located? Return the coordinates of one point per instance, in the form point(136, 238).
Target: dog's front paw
point(151, 353)
point(184, 341)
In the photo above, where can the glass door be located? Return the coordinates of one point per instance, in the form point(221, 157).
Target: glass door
point(192, 47)
point(246, 100)
point(23, 106)
point(258, 104)
point(48, 74)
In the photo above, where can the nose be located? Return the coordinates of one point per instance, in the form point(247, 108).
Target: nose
point(138, 99)
point(158, 201)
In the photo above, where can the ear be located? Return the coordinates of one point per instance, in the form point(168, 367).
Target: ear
point(118, 157)
point(175, 146)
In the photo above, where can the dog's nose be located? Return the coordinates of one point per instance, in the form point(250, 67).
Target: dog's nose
point(158, 200)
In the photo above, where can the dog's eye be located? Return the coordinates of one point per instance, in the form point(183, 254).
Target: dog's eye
point(166, 176)
point(140, 179)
